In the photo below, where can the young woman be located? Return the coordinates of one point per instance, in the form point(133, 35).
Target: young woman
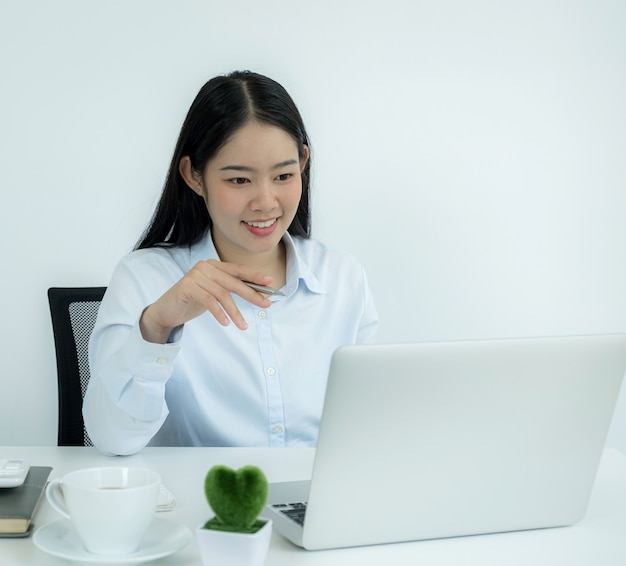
point(185, 352)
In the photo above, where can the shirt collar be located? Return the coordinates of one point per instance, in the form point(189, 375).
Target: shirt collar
point(298, 270)
point(203, 250)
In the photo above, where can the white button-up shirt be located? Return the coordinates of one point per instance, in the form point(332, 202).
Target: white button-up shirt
point(220, 386)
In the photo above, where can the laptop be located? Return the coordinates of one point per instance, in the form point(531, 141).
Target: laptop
point(432, 440)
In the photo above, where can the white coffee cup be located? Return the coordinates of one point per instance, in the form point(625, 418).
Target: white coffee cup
point(110, 508)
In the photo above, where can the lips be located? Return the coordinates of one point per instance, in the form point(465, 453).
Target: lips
point(261, 227)
point(262, 224)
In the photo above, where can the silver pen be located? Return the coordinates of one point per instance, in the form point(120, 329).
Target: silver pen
point(264, 289)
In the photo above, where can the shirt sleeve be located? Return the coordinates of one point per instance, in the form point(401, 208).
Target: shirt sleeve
point(368, 325)
point(124, 406)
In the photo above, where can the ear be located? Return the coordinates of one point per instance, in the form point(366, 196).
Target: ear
point(305, 157)
point(190, 176)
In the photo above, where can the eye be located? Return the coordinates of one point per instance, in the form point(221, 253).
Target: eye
point(238, 180)
point(284, 176)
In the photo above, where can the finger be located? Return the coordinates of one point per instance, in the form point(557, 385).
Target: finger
point(218, 313)
point(255, 296)
point(242, 272)
point(231, 277)
point(220, 303)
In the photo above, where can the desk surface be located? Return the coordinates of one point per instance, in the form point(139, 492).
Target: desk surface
point(598, 539)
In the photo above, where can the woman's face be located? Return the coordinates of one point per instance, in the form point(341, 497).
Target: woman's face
point(252, 188)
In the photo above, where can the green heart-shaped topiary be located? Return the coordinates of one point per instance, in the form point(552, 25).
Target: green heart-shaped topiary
point(237, 497)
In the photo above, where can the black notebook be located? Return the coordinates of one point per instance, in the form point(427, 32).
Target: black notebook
point(19, 504)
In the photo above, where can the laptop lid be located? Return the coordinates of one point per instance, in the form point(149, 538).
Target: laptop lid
point(432, 440)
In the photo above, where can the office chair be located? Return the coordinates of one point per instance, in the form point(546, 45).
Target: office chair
point(73, 311)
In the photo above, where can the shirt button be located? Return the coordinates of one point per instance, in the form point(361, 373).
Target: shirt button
point(270, 371)
point(277, 429)
point(162, 360)
point(262, 314)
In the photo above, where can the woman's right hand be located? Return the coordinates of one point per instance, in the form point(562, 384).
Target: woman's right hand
point(208, 286)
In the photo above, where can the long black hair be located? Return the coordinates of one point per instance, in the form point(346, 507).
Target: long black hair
point(223, 105)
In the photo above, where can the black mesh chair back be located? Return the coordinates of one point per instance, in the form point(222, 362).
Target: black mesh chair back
point(73, 311)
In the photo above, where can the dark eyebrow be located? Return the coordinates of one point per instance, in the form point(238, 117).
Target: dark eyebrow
point(286, 163)
point(236, 168)
point(245, 168)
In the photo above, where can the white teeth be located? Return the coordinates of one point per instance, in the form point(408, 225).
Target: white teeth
point(265, 224)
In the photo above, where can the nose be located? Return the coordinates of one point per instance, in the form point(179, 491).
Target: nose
point(264, 197)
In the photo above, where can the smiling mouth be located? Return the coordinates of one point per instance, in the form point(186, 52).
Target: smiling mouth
point(264, 224)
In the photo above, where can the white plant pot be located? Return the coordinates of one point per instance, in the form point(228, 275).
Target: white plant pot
point(234, 549)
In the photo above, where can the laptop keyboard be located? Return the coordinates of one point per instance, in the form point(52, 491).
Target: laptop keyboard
point(295, 511)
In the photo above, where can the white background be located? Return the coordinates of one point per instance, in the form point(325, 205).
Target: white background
point(472, 155)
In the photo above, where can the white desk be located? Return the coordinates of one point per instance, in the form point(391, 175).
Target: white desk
point(599, 539)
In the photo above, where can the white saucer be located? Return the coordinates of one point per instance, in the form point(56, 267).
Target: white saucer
point(163, 538)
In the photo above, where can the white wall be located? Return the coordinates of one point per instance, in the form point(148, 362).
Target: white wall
point(471, 154)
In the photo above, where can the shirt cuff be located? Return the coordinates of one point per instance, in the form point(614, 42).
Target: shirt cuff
point(148, 360)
